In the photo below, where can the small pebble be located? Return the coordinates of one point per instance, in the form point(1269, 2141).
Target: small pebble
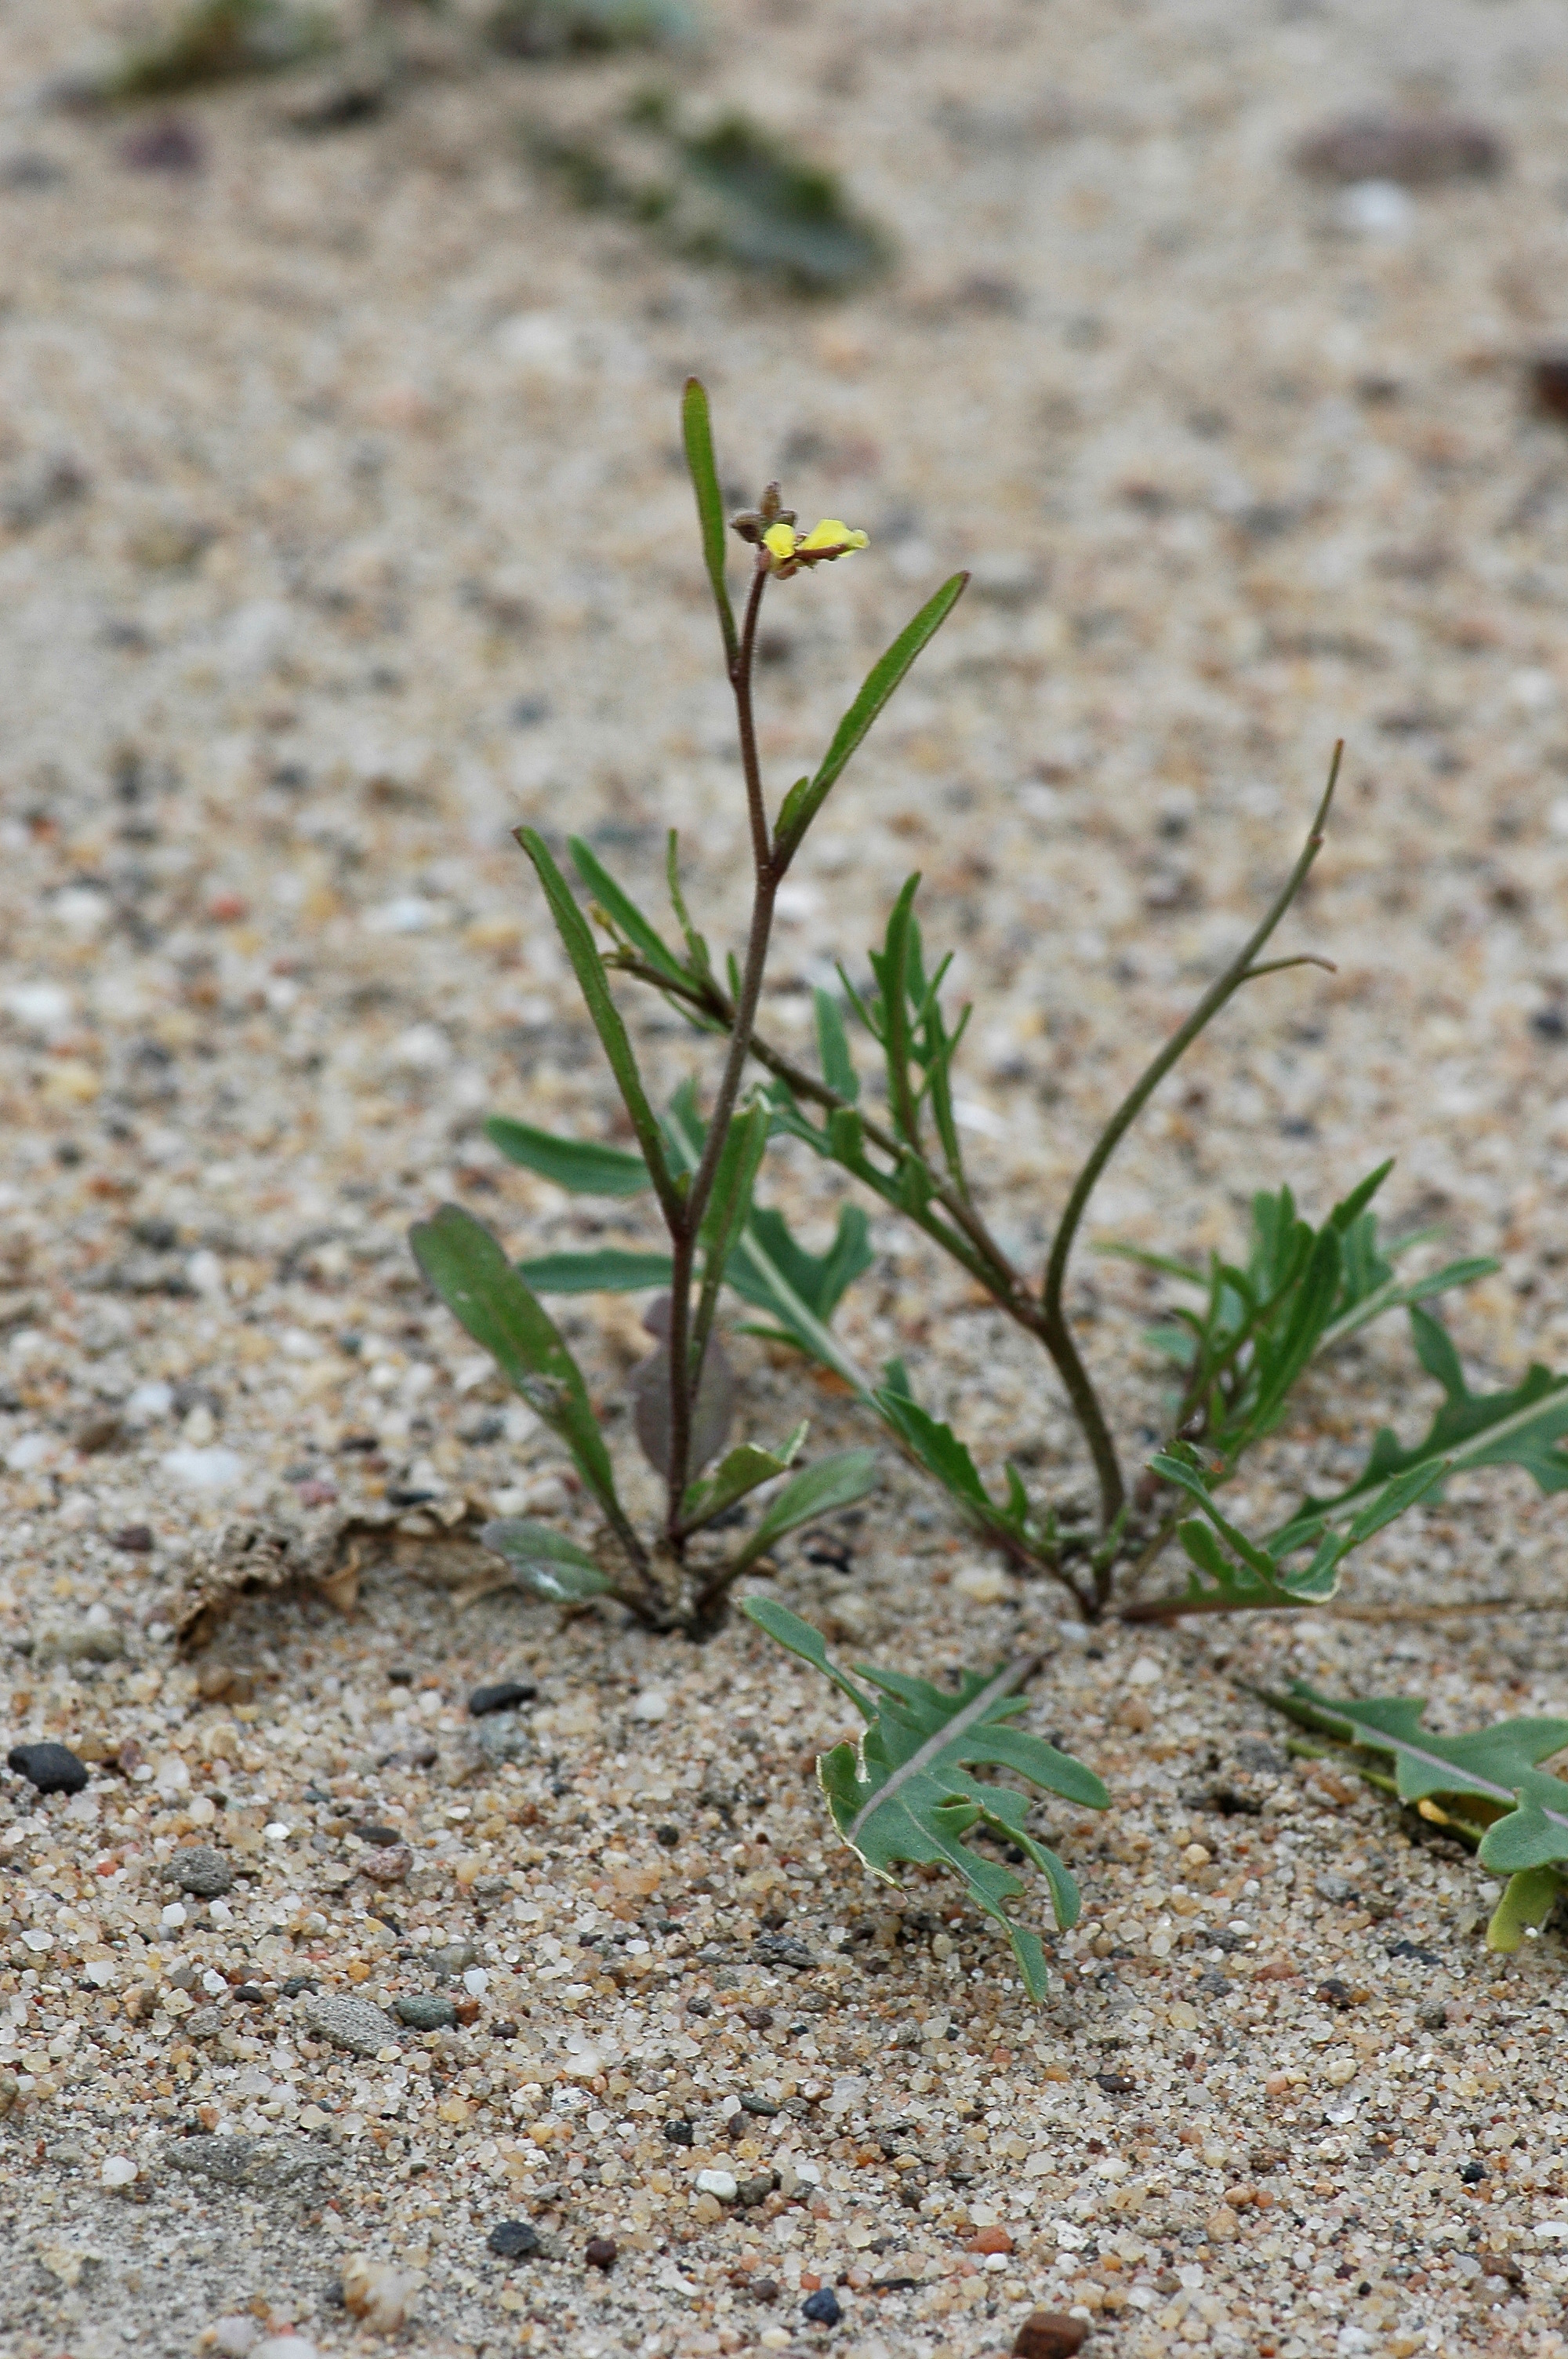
point(52, 1768)
point(425, 2011)
point(680, 2132)
point(284, 2347)
point(118, 2171)
point(599, 2252)
point(454, 1959)
point(350, 2022)
point(376, 2293)
point(234, 2336)
point(135, 1539)
point(513, 2240)
point(722, 2185)
point(822, 2307)
point(201, 1871)
point(1050, 2334)
point(385, 1866)
point(502, 1696)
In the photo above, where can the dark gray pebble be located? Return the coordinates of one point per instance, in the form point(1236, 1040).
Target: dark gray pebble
point(202, 1871)
point(822, 2307)
point(502, 1696)
point(52, 1768)
point(426, 2011)
point(513, 2240)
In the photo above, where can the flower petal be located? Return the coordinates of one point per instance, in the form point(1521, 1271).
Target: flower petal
point(779, 540)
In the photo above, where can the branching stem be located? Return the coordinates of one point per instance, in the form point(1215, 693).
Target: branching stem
point(1056, 1334)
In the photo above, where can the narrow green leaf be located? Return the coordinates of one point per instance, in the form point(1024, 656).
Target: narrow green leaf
point(907, 1790)
point(832, 1483)
point(739, 1162)
point(738, 1472)
point(479, 1286)
point(582, 1165)
point(787, 1630)
point(613, 1269)
point(589, 968)
point(820, 1280)
point(880, 684)
point(1529, 1899)
point(936, 1445)
point(833, 1048)
point(698, 434)
point(638, 931)
point(551, 1565)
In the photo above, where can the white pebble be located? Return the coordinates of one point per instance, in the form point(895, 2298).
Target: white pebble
point(723, 2184)
point(234, 2336)
point(476, 1982)
point(174, 1914)
point(284, 2347)
point(118, 2171)
point(171, 1777)
point(275, 1832)
point(1145, 1672)
point(205, 1470)
point(376, 2293)
point(982, 1584)
point(651, 1704)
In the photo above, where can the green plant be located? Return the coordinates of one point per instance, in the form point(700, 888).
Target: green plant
point(904, 1792)
point(1487, 1789)
point(216, 42)
point(729, 194)
point(1240, 1350)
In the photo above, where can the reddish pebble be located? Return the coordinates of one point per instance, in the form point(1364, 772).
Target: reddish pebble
point(599, 2252)
point(228, 908)
point(1050, 2334)
point(990, 2240)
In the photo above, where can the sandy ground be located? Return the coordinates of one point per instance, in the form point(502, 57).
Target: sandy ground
point(343, 528)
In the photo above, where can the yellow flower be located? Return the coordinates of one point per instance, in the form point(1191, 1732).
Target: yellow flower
point(831, 538)
point(824, 541)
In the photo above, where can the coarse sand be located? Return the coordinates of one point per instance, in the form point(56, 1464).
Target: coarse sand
point(342, 527)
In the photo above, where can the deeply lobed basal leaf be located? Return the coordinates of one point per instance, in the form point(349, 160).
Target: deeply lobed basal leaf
point(1490, 1782)
point(904, 1790)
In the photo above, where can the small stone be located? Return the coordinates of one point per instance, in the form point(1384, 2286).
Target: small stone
point(234, 2337)
point(384, 1838)
point(135, 1539)
point(502, 1696)
point(252, 2165)
point(653, 1704)
point(10, 2090)
point(680, 2132)
point(599, 2252)
point(722, 2185)
point(118, 2171)
point(782, 1950)
point(52, 1768)
point(426, 2011)
point(201, 1871)
point(377, 2293)
point(79, 1642)
point(822, 2307)
point(503, 1736)
point(1415, 150)
point(284, 2347)
point(387, 1866)
point(513, 2240)
point(455, 1959)
point(990, 2240)
point(1050, 2334)
point(350, 2022)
